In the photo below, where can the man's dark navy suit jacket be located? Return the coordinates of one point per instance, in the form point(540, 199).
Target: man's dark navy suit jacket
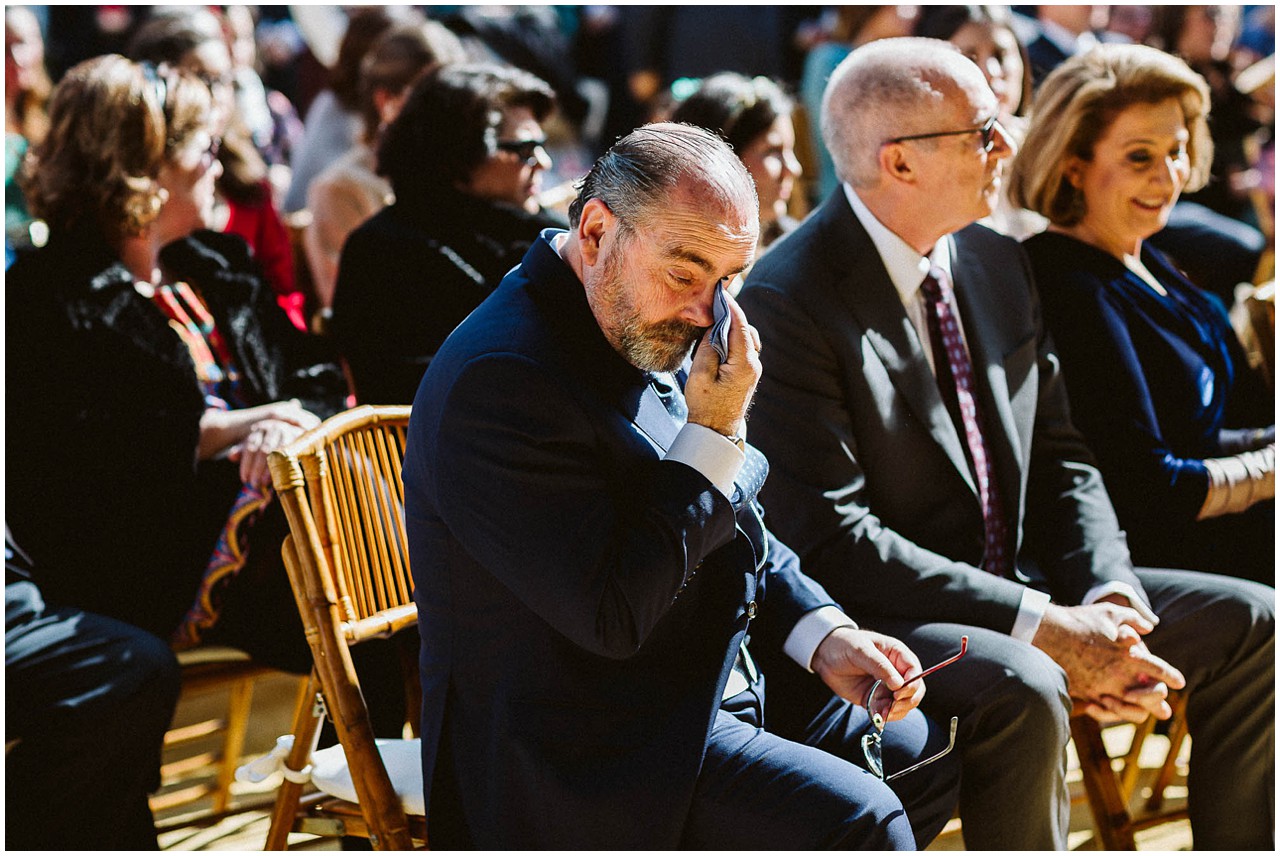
point(581, 600)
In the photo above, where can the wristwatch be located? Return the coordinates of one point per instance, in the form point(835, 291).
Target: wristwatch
point(737, 440)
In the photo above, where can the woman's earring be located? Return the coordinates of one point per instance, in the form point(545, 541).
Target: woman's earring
point(1077, 204)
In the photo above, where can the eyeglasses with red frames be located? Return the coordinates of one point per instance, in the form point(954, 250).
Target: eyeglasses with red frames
point(872, 741)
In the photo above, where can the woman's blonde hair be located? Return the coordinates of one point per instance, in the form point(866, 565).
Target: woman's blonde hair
point(112, 124)
point(1077, 103)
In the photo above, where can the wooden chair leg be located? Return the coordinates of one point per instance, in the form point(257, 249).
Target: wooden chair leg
point(1131, 769)
point(238, 707)
point(1177, 734)
point(1110, 811)
point(413, 689)
point(306, 725)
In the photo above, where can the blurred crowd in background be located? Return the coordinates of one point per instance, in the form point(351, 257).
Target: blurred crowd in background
point(253, 217)
point(615, 67)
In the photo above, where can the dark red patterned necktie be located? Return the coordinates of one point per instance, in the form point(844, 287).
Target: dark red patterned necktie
point(956, 383)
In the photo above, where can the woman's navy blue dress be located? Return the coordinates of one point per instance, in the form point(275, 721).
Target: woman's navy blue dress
point(1152, 381)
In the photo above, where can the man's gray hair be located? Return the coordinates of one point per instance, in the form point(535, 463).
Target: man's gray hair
point(636, 176)
point(883, 90)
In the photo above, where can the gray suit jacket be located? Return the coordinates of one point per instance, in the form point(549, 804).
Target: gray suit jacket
point(869, 482)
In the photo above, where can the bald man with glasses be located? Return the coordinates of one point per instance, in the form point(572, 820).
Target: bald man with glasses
point(925, 469)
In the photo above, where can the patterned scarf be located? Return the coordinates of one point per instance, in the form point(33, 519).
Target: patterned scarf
point(220, 382)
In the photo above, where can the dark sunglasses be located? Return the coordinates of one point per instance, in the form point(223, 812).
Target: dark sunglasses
point(526, 150)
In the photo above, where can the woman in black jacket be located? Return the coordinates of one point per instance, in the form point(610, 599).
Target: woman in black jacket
point(150, 372)
point(465, 158)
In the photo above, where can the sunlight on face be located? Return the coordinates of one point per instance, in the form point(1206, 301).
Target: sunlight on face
point(1139, 166)
point(653, 293)
point(771, 160)
point(507, 176)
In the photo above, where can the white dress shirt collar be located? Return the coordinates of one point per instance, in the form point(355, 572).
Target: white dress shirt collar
point(559, 242)
point(906, 267)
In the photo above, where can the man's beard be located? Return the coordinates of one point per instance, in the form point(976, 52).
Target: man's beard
point(660, 347)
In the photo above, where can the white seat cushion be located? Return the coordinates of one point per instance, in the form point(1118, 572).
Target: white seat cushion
point(403, 760)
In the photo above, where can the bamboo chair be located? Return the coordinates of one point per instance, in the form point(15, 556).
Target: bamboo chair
point(347, 558)
point(207, 669)
point(1110, 791)
point(1260, 304)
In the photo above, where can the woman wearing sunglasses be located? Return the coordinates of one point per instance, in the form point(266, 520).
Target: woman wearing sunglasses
point(150, 374)
point(465, 159)
point(191, 40)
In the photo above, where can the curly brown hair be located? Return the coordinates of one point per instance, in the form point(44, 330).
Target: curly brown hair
point(112, 124)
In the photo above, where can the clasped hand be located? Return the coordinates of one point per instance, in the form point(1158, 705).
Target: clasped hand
point(248, 436)
point(850, 660)
point(1111, 674)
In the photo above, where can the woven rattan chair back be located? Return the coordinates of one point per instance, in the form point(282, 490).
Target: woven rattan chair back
point(347, 557)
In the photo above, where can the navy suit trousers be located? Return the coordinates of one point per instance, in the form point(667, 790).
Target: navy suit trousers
point(760, 791)
point(89, 699)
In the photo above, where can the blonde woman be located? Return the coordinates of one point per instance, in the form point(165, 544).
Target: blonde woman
point(1183, 431)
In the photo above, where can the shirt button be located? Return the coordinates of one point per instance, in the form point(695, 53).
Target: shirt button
point(751, 609)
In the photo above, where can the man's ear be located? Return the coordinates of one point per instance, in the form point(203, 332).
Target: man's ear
point(596, 222)
point(895, 162)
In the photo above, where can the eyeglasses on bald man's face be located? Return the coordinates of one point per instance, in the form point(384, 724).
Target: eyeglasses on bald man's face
point(987, 129)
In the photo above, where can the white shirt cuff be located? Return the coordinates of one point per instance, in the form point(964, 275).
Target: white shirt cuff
point(1030, 613)
point(710, 453)
point(1125, 590)
point(810, 630)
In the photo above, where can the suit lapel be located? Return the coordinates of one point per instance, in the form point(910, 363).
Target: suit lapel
point(987, 335)
point(617, 384)
point(866, 290)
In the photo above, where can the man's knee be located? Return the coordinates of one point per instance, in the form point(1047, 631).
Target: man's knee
point(159, 675)
point(138, 670)
point(1257, 606)
point(1209, 621)
point(1035, 699)
point(759, 790)
point(1253, 611)
point(881, 825)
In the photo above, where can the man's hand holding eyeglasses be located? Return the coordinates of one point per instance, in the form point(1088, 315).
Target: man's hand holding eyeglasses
point(850, 660)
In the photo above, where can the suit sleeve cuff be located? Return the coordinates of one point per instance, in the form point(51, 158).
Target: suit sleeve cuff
point(810, 630)
point(1126, 591)
point(708, 452)
point(1030, 613)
